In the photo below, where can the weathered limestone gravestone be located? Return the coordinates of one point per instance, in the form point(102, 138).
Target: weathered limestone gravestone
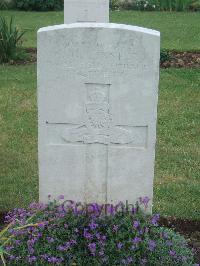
point(97, 98)
point(86, 11)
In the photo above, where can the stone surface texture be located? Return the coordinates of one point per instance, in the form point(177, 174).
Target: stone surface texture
point(86, 11)
point(97, 100)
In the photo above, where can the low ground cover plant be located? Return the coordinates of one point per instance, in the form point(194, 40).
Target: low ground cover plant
point(164, 55)
point(161, 5)
point(149, 5)
point(10, 41)
point(61, 234)
point(39, 5)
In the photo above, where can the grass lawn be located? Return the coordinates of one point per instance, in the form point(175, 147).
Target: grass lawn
point(177, 182)
point(179, 30)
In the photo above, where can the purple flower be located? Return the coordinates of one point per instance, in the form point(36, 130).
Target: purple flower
point(143, 261)
point(169, 243)
point(136, 224)
point(70, 204)
point(9, 248)
point(61, 248)
point(92, 248)
point(165, 235)
point(87, 235)
point(50, 239)
point(37, 206)
point(31, 250)
point(61, 197)
point(115, 228)
point(110, 209)
point(172, 253)
point(119, 245)
point(12, 257)
point(31, 242)
point(91, 209)
point(44, 256)
point(103, 237)
point(39, 234)
point(102, 243)
point(141, 232)
point(93, 225)
point(134, 210)
point(31, 259)
point(66, 246)
point(70, 243)
point(54, 260)
point(152, 245)
point(95, 209)
point(129, 260)
point(101, 253)
point(41, 225)
point(155, 219)
point(73, 242)
point(144, 201)
point(136, 240)
point(98, 236)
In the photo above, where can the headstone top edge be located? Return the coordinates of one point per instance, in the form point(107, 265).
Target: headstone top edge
point(100, 25)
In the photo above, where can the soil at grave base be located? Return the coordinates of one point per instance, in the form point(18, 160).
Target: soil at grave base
point(177, 59)
point(182, 59)
point(189, 228)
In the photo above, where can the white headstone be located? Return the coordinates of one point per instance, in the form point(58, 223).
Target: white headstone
point(86, 11)
point(98, 90)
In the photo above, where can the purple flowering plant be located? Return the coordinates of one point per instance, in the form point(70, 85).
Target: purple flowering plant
point(56, 234)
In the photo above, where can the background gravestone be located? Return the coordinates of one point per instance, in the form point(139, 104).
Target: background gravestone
point(86, 11)
point(97, 96)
